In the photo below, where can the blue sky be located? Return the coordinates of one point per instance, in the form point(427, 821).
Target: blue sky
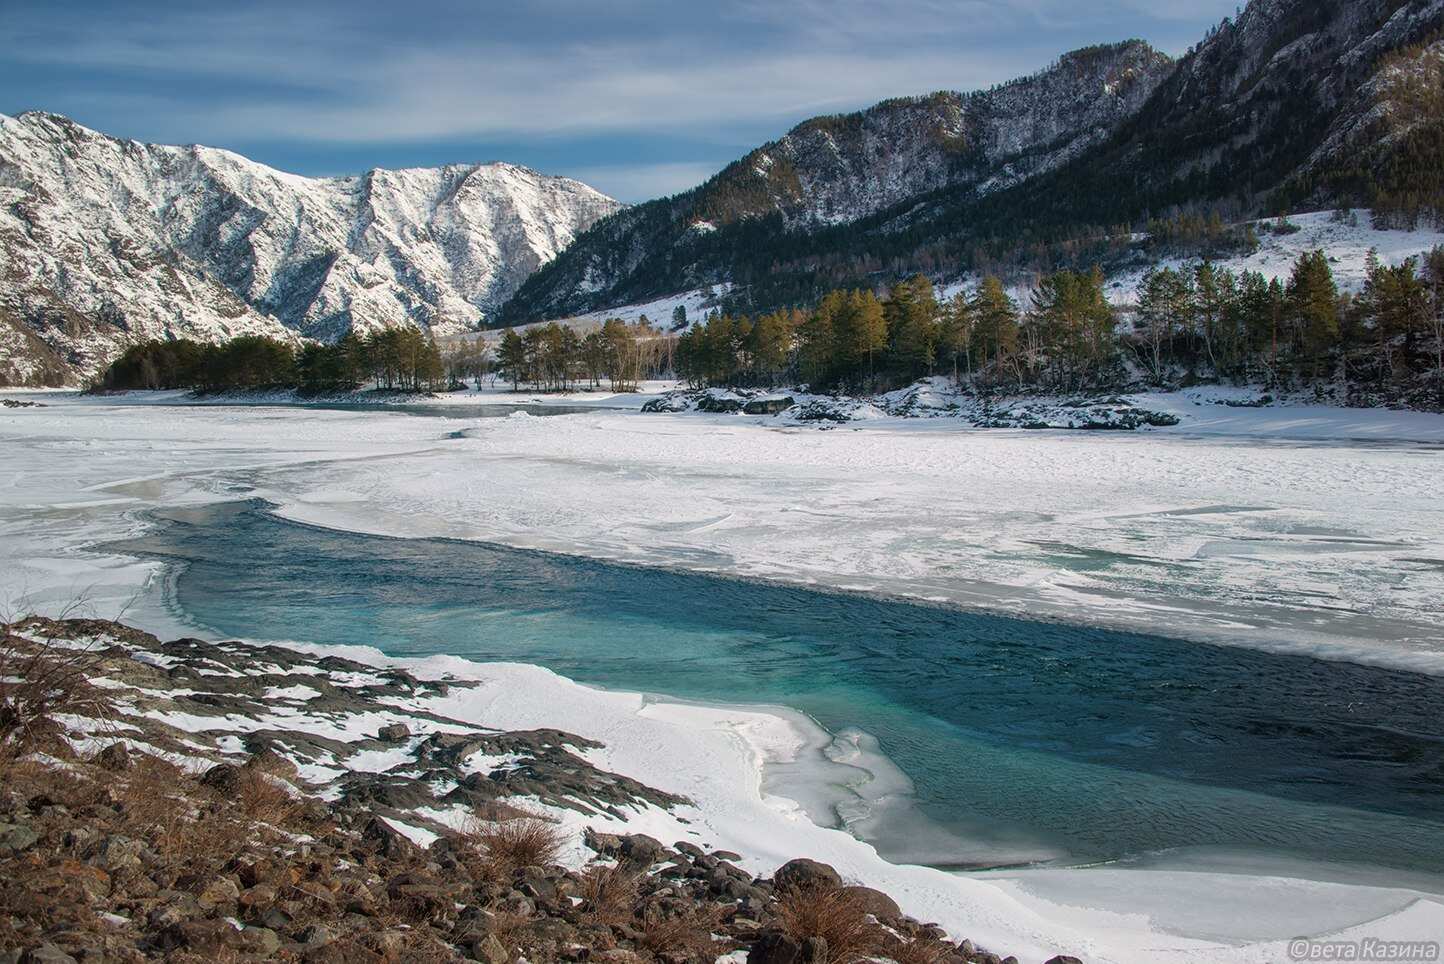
point(639, 98)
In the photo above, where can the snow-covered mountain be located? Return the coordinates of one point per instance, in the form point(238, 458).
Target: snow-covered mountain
point(837, 170)
point(106, 241)
point(1293, 104)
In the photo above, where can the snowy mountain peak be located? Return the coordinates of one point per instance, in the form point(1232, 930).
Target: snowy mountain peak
point(106, 241)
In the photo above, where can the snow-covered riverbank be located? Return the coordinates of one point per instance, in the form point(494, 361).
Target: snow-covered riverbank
point(1305, 528)
point(1335, 536)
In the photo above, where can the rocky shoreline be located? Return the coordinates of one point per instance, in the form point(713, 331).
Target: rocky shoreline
point(931, 398)
point(190, 800)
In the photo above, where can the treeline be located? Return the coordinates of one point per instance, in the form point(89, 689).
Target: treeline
point(398, 359)
point(1190, 324)
point(555, 357)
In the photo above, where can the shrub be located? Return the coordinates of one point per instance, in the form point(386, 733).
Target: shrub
point(686, 936)
point(264, 799)
point(508, 844)
point(38, 682)
point(609, 892)
point(836, 915)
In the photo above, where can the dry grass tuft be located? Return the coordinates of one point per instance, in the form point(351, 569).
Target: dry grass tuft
point(510, 843)
point(38, 681)
point(835, 915)
point(688, 936)
point(164, 804)
point(919, 950)
point(508, 928)
point(264, 800)
point(609, 893)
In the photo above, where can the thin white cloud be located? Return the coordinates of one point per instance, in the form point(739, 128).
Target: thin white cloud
point(641, 182)
point(311, 73)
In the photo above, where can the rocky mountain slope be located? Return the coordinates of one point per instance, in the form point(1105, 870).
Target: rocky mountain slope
point(837, 170)
point(106, 241)
point(1297, 101)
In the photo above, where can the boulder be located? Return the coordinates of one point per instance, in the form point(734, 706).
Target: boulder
point(267, 760)
point(665, 405)
point(639, 848)
point(261, 941)
point(224, 777)
point(316, 935)
point(775, 947)
point(1062, 959)
point(115, 758)
point(491, 951)
point(118, 853)
point(768, 406)
point(814, 950)
point(875, 902)
point(47, 954)
point(218, 892)
point(802, 874)
point(390, 841)
point(16, 838)
point(209, 937)
point(719, 406)
point(393, 732)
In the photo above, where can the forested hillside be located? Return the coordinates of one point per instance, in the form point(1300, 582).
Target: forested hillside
point(1315, 103)
point(1191, 324)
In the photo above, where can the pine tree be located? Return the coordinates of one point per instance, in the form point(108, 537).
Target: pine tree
point(1165, 305)
point(955, 335)
point(817, 337)
point(912, 319)
point(995, 322)
point(1313, 310)
point(1434, 272)
point(511, 357)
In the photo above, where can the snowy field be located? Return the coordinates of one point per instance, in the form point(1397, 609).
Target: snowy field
point(1315, 529)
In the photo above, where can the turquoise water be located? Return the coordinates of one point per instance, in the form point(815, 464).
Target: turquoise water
point(1023, 740)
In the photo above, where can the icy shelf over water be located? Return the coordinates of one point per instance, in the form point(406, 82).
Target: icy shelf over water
point(1027, 740)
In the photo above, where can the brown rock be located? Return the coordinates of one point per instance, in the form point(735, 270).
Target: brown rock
point(803, 873)
point(115, 758)
point(775, 947)
point(875, 902)
point(393, 732)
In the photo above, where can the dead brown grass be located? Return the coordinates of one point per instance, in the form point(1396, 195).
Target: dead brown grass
point(164, 804)
point(919, 950)
point(687, 936)
point(38, 681)
point(835, 915)
point(609, 893)
point(264, 800)
point(507, 844)
point(508, 928)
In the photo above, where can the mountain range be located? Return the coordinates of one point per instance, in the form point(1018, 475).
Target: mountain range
point(104, 242)
point(1294, 103)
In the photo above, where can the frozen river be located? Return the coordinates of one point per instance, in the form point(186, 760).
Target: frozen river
point(978, 740)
